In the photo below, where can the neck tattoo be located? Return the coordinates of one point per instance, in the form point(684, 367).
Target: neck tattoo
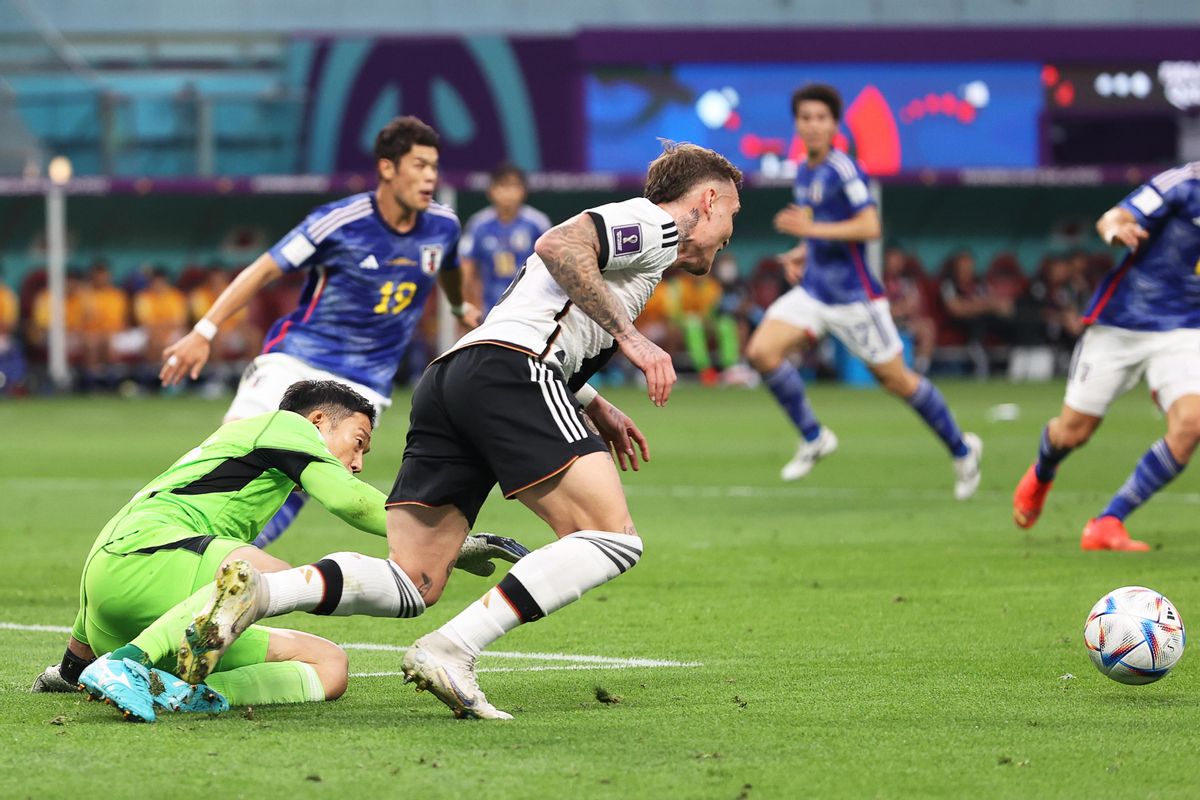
point(686, 225)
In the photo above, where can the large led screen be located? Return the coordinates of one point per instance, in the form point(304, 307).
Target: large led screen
point(898, 117)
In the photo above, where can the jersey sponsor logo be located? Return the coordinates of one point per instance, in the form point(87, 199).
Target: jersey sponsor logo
point(431, 258)
point(627, 239)
point(370, 262)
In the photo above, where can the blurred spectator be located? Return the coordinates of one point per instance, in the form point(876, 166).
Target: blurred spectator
point(161, 311)
point(238, 337)
point(655, 319)
point(12, 360)
point(903, 280)
point(737, 306)
point(1005, 282)
point(736, 300)
point(697, 311)
point(972, 310)
point(768, 282)
point(105, 316)
point(1048, 320)
point(39, 321)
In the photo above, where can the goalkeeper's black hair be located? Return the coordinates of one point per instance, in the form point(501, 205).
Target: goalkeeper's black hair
point(336, 400)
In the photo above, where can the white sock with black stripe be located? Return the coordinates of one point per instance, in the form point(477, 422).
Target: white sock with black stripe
point(342, 584)
point(543, 582)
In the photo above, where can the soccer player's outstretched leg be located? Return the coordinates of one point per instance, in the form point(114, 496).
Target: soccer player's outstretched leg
point(150, 572)
point(833, 217)
point(1147, 324)
point(510, 404)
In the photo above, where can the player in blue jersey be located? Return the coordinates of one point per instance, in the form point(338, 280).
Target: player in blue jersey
point(1143, 320)
point(834, 216)
point(371, 261)
point(498, 239)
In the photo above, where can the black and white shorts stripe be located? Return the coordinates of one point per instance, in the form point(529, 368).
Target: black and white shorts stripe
point(670, 235)
point(558, 402)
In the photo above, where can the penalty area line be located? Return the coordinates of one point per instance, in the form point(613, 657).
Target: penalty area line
point(558, 661)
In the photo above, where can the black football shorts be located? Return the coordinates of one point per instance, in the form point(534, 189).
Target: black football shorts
point(484, 415)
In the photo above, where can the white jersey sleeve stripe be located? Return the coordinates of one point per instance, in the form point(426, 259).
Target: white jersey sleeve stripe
point(1168, 180)
point(843, 165)
point(332, 220)
point(344, 221)
point(441, 211)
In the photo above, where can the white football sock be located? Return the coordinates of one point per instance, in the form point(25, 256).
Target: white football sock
point(543, 582)
point(342, 584)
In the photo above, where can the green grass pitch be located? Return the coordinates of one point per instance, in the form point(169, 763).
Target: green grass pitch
point(860, 634)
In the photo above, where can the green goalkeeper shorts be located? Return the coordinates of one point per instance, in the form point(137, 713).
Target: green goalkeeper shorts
point(121, 594)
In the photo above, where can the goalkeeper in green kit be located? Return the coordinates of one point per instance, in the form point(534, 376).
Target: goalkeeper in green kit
point(152, 568)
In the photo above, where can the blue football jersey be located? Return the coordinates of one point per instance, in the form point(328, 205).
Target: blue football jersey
point(836, 190)
point(499, 249)
point(366, 289)
point(1157, 288)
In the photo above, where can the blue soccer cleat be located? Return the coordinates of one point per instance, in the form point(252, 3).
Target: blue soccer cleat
point(171, 693)
point(122, 683)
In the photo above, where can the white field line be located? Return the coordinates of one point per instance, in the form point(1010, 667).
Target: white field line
point(567, 661)
point(16, 626)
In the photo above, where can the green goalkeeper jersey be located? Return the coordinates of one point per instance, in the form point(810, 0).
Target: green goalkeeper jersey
point(235, 481)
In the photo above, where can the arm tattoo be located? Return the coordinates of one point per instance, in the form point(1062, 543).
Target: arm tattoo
point(426, 585)
point(450, 566)
point(570, 253)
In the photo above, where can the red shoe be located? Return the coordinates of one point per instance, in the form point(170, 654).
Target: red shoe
point(1108, 533)
point(1029, 498)
point(710, 376)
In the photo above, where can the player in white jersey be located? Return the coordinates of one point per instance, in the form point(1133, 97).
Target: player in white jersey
point(509, 404)
point(498, 407)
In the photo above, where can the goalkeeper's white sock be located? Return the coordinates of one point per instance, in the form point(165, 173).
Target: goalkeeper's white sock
point(543, 582)
point(342, 584)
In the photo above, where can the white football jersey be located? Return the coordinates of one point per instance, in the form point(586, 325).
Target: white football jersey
point(638, 241)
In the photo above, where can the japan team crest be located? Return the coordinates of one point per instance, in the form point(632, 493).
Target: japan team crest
point(431, 258)
point(816, 192)
point(519, 241)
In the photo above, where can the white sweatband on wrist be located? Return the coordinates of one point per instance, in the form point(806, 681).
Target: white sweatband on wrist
point(457, 310)
point(206, 328)
point(586, 394)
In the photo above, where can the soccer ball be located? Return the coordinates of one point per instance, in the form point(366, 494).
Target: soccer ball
point(1134, 635)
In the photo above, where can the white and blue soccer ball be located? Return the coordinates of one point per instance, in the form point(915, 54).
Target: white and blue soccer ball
point(1134, 635)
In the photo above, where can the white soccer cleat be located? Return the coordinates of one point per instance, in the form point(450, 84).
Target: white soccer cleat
point(235, 605)
point(966, 469)
point(51, 681)
point(808, 454)
point(437, 664)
